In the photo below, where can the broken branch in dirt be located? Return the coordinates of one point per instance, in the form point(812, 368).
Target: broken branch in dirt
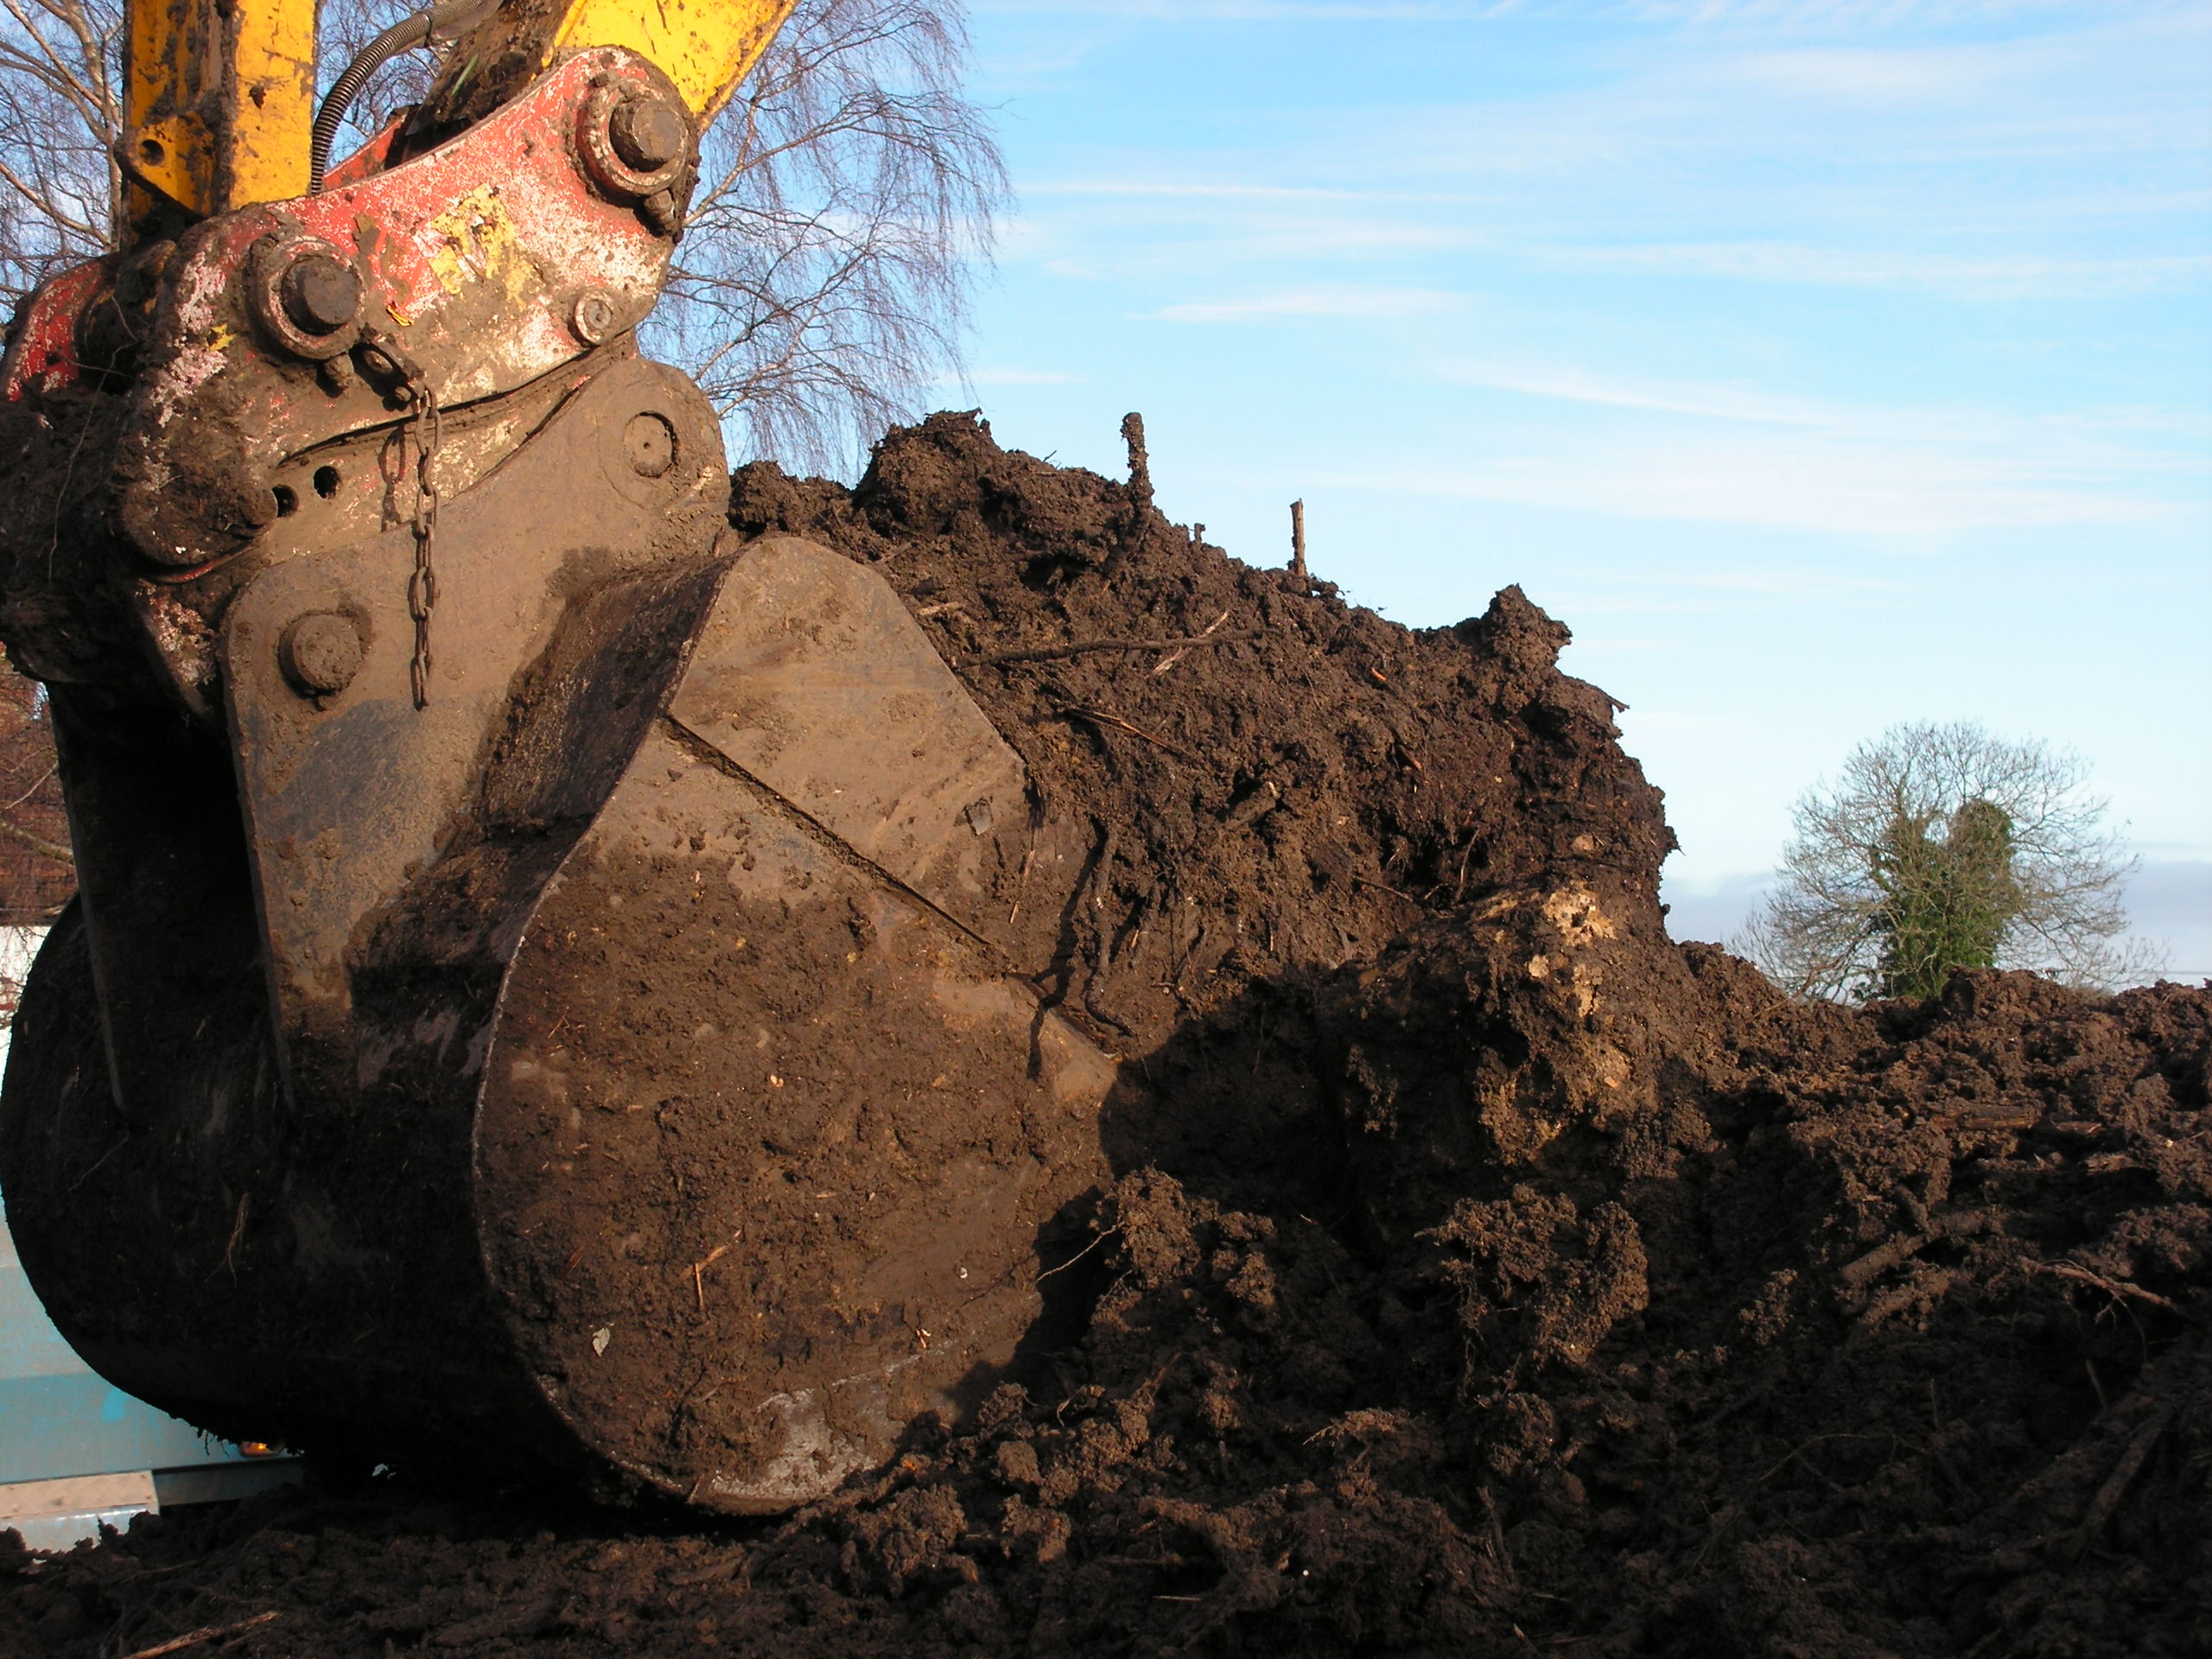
point(1084, 647)
point(208, 1633)
point(2122, 1476)
point(1106, 717)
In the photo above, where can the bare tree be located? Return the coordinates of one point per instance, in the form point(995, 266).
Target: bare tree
point(846, 202)
point(1940, 848)
point(60, 110)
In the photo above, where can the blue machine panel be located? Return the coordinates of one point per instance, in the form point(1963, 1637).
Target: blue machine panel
point(59, 1419)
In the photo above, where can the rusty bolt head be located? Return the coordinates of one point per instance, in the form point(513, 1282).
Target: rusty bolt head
point(594, 316)
point(321, 294)
point(648, 135)
point(321, 652)
point(650, 441)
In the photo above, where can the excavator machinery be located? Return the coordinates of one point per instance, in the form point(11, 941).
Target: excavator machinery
point(551, 983)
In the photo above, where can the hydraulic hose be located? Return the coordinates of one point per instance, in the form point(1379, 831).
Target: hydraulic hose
point(420, 30)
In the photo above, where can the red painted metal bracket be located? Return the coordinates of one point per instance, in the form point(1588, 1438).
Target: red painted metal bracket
point(484, 264)
point(42, 357)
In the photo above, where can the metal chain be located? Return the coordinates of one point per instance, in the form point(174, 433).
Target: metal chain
point(422, 586)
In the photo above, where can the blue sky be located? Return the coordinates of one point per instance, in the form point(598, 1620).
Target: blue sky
point(1824, 365)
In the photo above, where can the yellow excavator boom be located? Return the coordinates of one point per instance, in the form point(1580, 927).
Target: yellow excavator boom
point(706, 47)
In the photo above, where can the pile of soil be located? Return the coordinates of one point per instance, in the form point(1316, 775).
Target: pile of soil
point(1483, 1272)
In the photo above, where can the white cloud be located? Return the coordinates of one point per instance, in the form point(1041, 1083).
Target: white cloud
point(1568, 384)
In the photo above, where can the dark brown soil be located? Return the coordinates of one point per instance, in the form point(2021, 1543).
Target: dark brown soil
point(1481, 1272)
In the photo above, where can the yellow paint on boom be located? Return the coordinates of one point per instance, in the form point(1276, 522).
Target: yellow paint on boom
point(706, 47)
point(219, 101)
point(274, 65)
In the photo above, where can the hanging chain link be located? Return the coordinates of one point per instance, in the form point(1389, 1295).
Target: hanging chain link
point(422, 586)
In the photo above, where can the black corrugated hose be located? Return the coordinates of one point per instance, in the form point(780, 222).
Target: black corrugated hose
point(402, 36)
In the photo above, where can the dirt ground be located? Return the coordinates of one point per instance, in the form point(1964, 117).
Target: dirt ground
point(1481, 1271)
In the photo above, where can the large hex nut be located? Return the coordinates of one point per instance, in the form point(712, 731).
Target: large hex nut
point(306, 295)
point(649, 133)
point(624, 128)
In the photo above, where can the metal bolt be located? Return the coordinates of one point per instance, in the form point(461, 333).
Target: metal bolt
point(647, 134)
point(594, 316)
point(321, 294)
point(662, 212)
point(650, 443)
point(321, 652)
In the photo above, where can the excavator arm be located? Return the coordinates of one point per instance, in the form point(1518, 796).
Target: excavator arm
point(219, 98)
point(545, 983)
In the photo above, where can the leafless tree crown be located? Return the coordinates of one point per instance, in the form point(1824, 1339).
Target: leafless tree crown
point(1834, 924)
point(846, 202)
point(60, 108)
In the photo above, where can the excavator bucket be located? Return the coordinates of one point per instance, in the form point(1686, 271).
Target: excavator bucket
point(622, 1057)
point(546, 983)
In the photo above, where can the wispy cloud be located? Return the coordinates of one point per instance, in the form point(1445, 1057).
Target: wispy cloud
point(1899, 495)
point(1383, 304)
point(1705, 14)
point(1202, 190)
point(1847, 144)
point(1755, 406)
point(1997, 277)
point(1011, 377)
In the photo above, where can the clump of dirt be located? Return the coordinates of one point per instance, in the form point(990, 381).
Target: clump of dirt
point(1484, 1271)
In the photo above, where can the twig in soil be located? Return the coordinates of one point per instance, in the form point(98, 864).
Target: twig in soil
point(1082, 647)
point(1459, 886)
point(1076, 1258)
point(231, 1245)
point(1298, 544)
point(209, 1633)
point(2123, 1476)
point(2118, 1289)
point(1500, 1552)
point(1930, 1290)
point(1177, 656)
point(102, 1159)
point(1961, 1223)
point(1880, 1260)
point(1381, 887)
point(1796, 1455)
point(698, 1283)
point(1139, 461)
point(1106, 717)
